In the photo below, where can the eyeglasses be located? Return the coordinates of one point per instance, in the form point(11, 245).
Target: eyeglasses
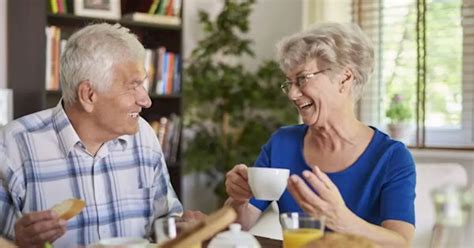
point(300, 81)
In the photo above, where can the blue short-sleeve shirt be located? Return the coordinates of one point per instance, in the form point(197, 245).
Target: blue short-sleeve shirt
point(378, 186)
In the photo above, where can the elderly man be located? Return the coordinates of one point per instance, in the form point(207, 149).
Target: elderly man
point(92, 146)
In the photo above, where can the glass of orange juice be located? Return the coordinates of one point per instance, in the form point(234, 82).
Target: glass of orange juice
point(300, 228)
point(169, 227)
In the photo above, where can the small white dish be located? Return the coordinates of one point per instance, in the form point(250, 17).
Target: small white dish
point(123, 243)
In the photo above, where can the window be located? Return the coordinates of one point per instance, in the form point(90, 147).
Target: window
point(425, 54)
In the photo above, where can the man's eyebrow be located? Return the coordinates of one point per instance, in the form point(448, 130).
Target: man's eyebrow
point(140, 81)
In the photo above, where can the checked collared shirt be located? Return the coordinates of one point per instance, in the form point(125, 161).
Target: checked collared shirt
point(125, 185)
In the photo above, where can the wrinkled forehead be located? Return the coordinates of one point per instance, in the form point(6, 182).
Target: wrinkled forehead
point(128, 71)
point(308, 66)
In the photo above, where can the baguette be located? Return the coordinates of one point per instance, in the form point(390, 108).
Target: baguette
point(204, 229)
point(69, 208)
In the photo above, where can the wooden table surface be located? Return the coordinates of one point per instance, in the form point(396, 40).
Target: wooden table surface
point(267, 242)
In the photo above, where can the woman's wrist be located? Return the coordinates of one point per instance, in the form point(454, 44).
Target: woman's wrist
point(235, 203)
point(352, 224)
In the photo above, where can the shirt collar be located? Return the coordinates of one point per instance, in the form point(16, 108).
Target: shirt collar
point(68, 137)
point(123, 141)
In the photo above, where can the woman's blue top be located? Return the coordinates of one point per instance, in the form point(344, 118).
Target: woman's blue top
point(378, 186)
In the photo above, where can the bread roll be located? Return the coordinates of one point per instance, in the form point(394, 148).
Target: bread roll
point(69, 208)
point(6, 243)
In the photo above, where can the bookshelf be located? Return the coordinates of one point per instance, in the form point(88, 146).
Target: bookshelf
point(27, 21)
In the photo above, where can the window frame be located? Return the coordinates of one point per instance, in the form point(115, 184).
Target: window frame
point(370, 108)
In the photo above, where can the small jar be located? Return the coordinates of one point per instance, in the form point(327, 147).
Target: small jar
point(234, 238)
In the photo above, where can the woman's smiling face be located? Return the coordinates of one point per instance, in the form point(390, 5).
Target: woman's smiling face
point(316, 97)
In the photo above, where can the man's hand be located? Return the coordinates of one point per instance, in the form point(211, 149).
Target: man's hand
point(194, 215)
point(236, 184)
point(36, 228)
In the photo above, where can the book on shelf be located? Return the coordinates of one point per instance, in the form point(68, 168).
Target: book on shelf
point(149, 58)
point(162, 131)
point(155, 19)
point(164, 71)
point(153, 7)
point(54, 46)
point(162, 66)
point(167, 73)
point(60, 6)
point(166, 7)
point(168, 131)
point(161, 85)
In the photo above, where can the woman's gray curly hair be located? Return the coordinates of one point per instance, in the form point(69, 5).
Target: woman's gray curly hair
point(332, 45)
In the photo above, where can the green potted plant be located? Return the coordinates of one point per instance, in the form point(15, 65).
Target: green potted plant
point(229, 110)
point(400, 116)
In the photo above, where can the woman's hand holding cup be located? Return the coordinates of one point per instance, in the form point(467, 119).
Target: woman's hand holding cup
point(236, 184)
point(264, 183)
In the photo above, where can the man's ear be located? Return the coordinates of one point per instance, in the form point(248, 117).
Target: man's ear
point(86, 96)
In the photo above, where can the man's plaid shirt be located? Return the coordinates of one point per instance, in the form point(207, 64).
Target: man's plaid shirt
point(125, 186)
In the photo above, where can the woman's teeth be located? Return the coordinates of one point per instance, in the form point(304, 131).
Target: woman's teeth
point(306, 105)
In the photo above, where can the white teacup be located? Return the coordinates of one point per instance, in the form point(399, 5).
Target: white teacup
point(123, 243)
point(268, 183)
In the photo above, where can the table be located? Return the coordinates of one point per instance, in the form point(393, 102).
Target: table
point(264, 242)
point(267, 242)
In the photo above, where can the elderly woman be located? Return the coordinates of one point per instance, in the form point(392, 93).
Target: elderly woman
point(361, 180)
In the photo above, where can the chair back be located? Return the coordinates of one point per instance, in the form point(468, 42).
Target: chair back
point(430, 176)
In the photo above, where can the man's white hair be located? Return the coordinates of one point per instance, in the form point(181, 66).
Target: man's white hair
point(91, 53)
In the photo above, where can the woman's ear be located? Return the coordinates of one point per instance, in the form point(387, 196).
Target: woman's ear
point(86, 95)
point(346, 81)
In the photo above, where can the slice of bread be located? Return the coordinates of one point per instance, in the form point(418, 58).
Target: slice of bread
point(69, 208)
point(6, 243)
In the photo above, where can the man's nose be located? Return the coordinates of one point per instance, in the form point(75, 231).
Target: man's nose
point(143, 98)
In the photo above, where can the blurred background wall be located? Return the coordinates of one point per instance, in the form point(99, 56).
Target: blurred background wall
point(3, 43)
